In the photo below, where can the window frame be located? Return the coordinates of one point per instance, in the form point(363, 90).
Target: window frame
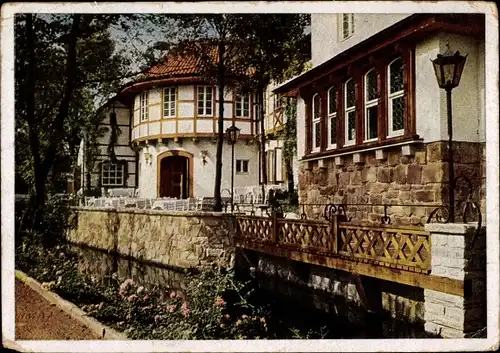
point(169, 101)
point(347, 110)
point(143, 106)
point(332, 117)
point(120, 167)
point(369, 104)
point(392, 96)
point(240, 101)
point(205, 89)
point(357, 70)
point(240, 164)
point(316, 120)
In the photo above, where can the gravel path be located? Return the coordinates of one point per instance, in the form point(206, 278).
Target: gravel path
point(38, 319)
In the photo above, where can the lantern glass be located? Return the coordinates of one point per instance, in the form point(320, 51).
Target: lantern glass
point(448, 69)
point(232, 134)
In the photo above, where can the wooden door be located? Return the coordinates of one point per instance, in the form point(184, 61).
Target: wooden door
point(173, 177)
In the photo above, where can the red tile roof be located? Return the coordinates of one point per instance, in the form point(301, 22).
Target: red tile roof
point(181, 64)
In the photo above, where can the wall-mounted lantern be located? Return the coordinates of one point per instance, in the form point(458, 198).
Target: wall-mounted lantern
point(204, 154)
point(147, 157)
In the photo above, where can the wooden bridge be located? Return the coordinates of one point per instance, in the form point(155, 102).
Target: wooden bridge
point(399, 254)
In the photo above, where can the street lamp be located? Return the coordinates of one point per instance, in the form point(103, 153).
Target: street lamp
point(448, 68)
point(232, 134)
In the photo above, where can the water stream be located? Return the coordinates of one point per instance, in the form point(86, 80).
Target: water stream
point(287, 311)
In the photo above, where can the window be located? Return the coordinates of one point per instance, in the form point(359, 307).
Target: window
point(144, 106)
point(371, 105)
point(205, 100)
point(271, 167)
point(332, 117)
point(316, 120)
point(395, 97)
point(112, 174)
point(243, 105)
point(169, 102)
point(278, 101)
point(350, 112)
point(347, 25)
point(241, 166)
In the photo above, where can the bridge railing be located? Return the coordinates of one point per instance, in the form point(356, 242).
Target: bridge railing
point(400, 247)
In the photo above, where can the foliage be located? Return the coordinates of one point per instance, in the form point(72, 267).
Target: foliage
point(212, 304)
point(50, 228)
point(66, 65)
point(290, 130)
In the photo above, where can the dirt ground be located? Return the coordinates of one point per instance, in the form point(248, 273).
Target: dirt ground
point(38, 319)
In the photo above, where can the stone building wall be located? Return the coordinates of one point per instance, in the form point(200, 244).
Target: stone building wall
point(414, 175)
point(178, 239)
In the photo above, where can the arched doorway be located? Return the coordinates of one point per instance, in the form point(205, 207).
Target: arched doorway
point(175, 175)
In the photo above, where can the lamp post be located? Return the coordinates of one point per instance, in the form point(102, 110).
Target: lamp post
point(448, 68)
point(232, 134)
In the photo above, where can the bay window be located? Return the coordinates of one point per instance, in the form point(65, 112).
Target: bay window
point(316, 121)
point(169, 102)
point(350, 112)
point(371, 106)
point(332, 118)
point(205, 101)
point(395, 97)
point(376, 97)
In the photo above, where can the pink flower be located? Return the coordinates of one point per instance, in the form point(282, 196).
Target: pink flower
point(140, 290)
point(157, 318)
point(173, 295)
point(171, 308)
point(127, 283)
point(132, 297)
point(146, 297)
point(185, 309)
point(220, 302)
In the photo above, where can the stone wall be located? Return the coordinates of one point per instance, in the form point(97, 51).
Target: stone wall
point(455, 254)
point(179, 239)
point(409, 175)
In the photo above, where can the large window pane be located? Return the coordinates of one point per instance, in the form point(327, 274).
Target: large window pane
point(333, 130)
point(396, 76)
point(372, 122)
point(350, 96)
point(317, 140)
point(332, 101)
point(371, 85)
point(351, 126)
point(398, 108)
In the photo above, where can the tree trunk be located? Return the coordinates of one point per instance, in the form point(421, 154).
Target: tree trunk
point(262, 110)
point(39, 199)
point(58, 125)
point(220, 136)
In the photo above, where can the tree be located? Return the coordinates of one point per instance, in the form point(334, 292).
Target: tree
point(210, 38)
point(277, 48)
point(64, 63)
